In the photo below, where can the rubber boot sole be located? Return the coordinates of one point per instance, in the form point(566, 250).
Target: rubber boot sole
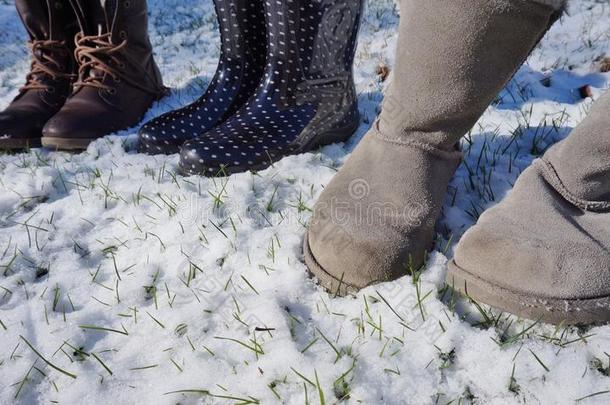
point(338, 135)
point(327, 138)
point(548, 310)
point(19, 144)
point(67, 144)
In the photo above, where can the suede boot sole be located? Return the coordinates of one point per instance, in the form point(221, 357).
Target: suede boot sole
point(67, 144)
point(19, 144)
point(335, 286)
point(548, 310)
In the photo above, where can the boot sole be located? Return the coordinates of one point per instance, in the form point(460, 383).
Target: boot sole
point(330, 283)
point(338, 135)
point(327, 138)
point(19, 144)
point(548, 310)
point(68, 144)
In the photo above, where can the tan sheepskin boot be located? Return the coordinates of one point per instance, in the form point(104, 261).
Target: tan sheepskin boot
point(375, 220)
point(544, 252)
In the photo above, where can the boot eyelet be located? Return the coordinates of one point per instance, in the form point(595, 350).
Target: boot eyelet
point(111, 91)
point(123, 35)
point(50, 90)
point(127, 4)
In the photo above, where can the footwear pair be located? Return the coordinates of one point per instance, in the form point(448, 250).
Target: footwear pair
point(544, 253)
point(284, 85)
point(92, 73)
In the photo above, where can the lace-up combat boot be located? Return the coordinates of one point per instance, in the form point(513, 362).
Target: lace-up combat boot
point(51, 26)
point(118, 77)
point(240, 69)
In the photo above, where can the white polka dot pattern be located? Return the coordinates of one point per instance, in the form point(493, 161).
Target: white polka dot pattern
point(241, 65)
point(306, 98)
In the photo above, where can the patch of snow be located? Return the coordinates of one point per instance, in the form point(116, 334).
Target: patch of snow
point(153, 288)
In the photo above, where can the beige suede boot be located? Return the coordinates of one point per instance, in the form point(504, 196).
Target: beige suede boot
point(544, 252)
point(375, 221)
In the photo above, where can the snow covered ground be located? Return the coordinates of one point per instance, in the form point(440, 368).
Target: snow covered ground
point(121, 282)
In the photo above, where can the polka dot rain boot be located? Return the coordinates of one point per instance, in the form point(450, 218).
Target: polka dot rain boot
point(306, 99)
point(240, 69)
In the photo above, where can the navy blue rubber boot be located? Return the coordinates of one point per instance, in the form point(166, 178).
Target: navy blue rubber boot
point(239, 72)
point(307, 97)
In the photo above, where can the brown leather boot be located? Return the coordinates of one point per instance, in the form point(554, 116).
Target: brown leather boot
point(118, 77)
point(51, 25)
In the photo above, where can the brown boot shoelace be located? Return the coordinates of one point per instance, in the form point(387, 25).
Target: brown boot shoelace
point(44, 65)
point(98, 58)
